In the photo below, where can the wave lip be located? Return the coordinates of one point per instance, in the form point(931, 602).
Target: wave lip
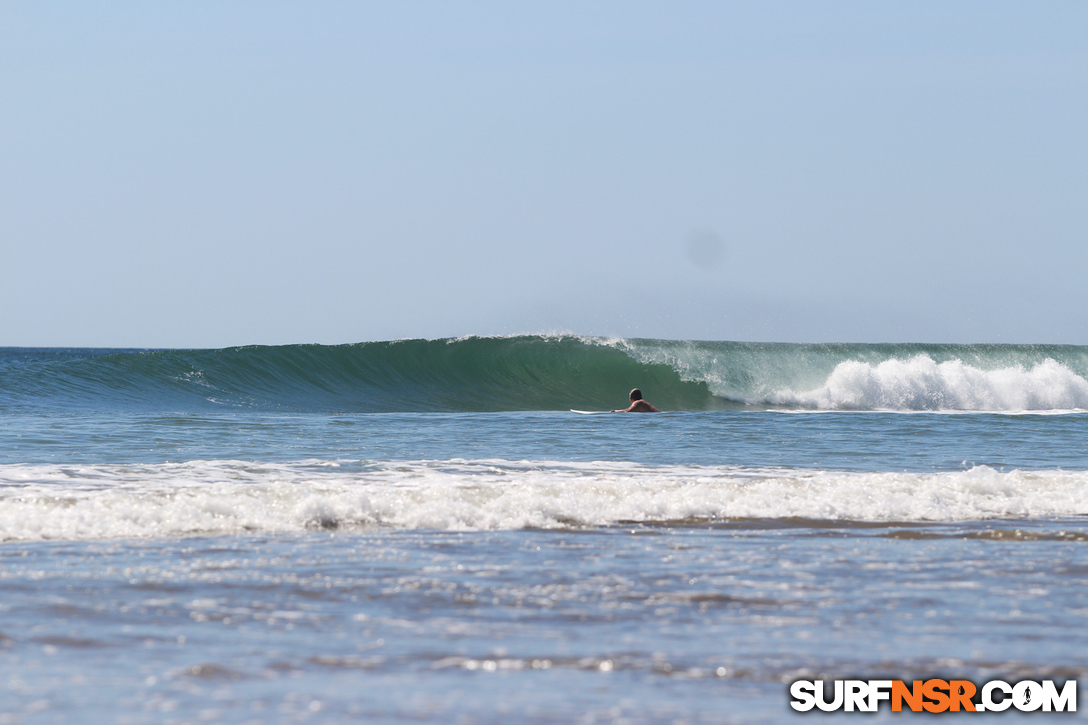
point(54, 502)
point(920, 383)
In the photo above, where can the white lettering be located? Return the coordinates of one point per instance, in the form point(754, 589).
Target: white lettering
point(857, 695)
point(804, 695)
point(879, 690)
point(987, 695)
point(822, 703)
point(1066, 701)
point(1027, 696)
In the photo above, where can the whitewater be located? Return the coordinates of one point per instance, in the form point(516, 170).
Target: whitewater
point(418, 530)
point(232, 497)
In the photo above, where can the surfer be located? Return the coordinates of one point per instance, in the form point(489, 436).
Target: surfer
point(638, 405)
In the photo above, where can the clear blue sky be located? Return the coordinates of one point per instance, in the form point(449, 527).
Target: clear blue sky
point(205, 174)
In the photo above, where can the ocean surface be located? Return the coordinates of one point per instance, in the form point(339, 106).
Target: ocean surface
point(423, 531)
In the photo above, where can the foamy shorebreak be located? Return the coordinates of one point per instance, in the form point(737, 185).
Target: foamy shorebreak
point(235, 497)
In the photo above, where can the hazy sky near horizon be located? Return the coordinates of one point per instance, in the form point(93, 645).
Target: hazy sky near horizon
point(206, 174)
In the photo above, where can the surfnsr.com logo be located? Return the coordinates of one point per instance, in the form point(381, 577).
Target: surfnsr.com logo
point(934, 696)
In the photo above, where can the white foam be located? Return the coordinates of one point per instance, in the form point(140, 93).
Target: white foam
point(230, 497)
point(922, 384)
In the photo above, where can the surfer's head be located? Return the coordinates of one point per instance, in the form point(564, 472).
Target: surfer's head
point(636, 394)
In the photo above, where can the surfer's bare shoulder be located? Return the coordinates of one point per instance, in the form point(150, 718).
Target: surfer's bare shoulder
point(638, 405)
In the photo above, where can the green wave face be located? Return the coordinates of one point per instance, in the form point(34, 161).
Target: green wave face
point(549, 373)
point(471, 374)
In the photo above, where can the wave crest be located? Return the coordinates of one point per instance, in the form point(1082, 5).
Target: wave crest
point(921, 383)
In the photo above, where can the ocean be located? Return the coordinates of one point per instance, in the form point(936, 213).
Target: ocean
point(423, 531)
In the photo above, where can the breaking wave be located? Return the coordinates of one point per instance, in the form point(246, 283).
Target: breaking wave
point(534, 372)
point(920, 383)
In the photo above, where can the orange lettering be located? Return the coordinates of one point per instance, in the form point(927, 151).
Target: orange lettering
point(913, 697)
point(961, 692)
point(932, 690)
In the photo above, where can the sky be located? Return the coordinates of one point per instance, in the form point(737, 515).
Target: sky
point(210, 174)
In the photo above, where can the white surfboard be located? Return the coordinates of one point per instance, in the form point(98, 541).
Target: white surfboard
point(588, 412)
